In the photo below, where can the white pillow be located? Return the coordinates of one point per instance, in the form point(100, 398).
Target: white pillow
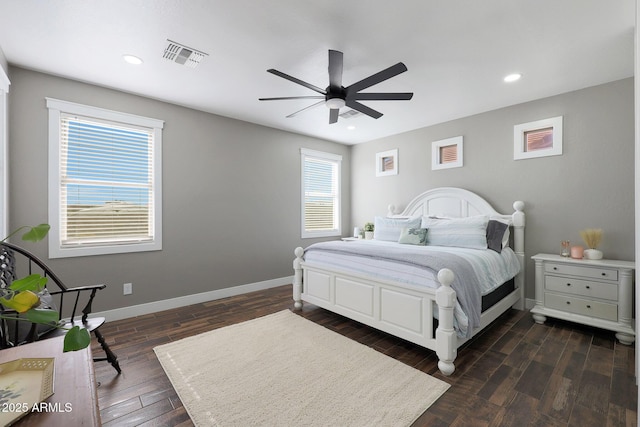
point(470, 232)
point(389, 229)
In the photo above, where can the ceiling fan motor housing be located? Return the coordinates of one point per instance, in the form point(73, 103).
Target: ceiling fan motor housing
point(336, 98)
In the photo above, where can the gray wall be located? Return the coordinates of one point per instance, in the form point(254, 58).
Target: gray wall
point(231, 195)
point(590, 185)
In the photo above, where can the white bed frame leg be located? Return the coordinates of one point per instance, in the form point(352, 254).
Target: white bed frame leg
point(297, 278)
point(446, 340)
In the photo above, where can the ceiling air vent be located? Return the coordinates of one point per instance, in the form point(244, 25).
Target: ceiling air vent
point(350, 114)
point(182, 54)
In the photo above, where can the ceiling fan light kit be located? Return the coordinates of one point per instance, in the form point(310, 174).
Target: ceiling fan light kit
point(335, 103)
point(336, 96)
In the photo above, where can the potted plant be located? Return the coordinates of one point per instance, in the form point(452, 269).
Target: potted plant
point(368, 231)
point(592, 238)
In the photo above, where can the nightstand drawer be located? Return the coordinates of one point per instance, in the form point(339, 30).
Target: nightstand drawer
point(581, 287)
point(589, 272)
point(581, 306)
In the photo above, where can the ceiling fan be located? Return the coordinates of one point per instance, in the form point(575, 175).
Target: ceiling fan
point(336, 96)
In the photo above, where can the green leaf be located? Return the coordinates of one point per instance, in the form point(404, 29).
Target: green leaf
point(22, 301)
point(37, 233)
point(42, 315)
point(33, 283)
point(76, 339)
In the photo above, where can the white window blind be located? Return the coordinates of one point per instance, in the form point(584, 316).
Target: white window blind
point(320, 194)
point(106, 182)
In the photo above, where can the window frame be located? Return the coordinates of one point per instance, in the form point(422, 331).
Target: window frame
point(4, 153)
point(56, 250)
point(337, 159)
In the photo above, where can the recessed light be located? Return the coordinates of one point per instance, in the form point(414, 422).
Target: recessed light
point(512, 77)
point(351, 127)
point(131, 59)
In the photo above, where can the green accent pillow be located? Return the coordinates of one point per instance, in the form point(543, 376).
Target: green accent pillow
point(413, 236)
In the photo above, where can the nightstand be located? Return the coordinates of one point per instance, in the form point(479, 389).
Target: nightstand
point(596, 293)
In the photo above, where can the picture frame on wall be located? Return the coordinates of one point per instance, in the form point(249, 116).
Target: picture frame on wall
point(541, 138)
point(387, 163)
point(447, 153)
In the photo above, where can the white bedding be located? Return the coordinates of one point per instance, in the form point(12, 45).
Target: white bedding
point(491, 268)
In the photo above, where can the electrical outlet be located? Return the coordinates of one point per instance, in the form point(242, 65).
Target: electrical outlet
point(127, 289)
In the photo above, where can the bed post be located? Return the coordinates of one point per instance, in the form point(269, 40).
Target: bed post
point(446, 340)
point(518, 248)
point(297, 278)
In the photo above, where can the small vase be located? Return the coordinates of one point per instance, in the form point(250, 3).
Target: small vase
point(368, 235)
point(592, 254)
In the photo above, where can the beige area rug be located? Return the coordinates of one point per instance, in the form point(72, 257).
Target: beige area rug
point(282, 370)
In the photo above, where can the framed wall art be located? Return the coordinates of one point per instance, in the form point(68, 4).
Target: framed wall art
point(387, 163)
point(538, 139)
point(446, 153)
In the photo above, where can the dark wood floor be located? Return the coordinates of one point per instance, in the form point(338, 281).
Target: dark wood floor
point(515, 373)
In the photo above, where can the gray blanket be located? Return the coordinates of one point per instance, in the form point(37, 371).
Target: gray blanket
point(465, 282)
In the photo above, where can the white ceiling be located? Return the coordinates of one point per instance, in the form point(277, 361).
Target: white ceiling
point(456, 51)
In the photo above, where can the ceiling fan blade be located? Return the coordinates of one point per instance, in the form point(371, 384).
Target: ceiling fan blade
point(401, 96)
point(298, 81)
point(291, 97)
point(305, 109)
point(374, 79)
point(335, 68)
point(363, 109)
point(333, 115)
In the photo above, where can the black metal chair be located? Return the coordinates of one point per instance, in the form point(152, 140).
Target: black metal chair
point(17, 262)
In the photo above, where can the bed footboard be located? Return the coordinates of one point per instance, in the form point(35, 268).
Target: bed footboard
point(401, 310)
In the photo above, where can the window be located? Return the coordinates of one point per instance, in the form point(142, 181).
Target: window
point(320, 194)
point(104, 181)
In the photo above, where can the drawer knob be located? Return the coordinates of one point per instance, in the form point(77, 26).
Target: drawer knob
point(568, 302)
point(588, 306)
point(588, 287)
point(604, 274)
point(555, 268)
point(568, 284)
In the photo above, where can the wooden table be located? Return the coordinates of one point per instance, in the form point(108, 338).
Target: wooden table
point(74, 385)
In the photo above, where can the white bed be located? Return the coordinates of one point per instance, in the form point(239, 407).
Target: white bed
point(398, 305)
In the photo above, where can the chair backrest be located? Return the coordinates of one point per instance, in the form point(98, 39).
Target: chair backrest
point(21, 262)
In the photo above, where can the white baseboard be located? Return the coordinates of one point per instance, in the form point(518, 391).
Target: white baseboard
point(153, 307)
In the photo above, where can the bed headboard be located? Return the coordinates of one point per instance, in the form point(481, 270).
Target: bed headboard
point(458, 202)
point(448, 202)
